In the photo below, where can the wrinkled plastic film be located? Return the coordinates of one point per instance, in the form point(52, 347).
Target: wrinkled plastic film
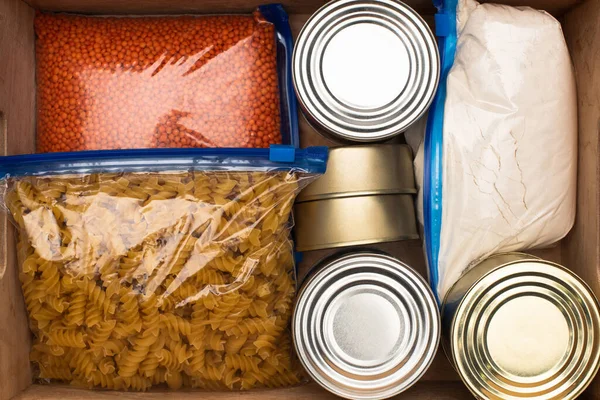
point(433, 142)
point(145, 82)
point(185, 279)
point(500, 147)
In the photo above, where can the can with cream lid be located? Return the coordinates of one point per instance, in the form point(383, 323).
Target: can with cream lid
point(366, 325)
point(518, 327)
point(365, 70)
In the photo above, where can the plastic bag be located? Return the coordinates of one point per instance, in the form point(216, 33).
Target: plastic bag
point(501, 143)
point(145, 82)
point(414, 136)
point(179, 271)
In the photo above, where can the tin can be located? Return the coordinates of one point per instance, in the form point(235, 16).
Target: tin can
point(366, 196)
point(353, 221)
point(366, 325)
point(364, 170)
point(365, 70)
point(516, 326)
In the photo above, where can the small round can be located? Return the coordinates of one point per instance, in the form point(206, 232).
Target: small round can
point(354, 221)
point(355, 203)
point(366, 325)
point(365, 70)
point(516, 326)
point(364, 170)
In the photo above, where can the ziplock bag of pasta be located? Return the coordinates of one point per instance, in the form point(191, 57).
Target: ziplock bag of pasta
point(159, 267)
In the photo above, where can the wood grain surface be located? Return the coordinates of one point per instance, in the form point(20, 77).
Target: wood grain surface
point(205, 6)
point(580, 250)
point(17, 116)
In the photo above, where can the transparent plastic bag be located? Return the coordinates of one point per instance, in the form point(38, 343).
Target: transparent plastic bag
point(163, 81)
point(500, 152)
point(139, 279)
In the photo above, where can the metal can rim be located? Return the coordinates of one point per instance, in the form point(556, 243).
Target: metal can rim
point(350, 135)
point(356, 171)
point(321, 268)
point(334, 215)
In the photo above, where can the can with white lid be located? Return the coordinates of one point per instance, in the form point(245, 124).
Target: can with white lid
point(366, 325)
point(365, 70)
point(518, 327)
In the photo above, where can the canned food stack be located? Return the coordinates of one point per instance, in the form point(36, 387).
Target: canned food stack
point(514, 325)
point(355, 203)
point(166, 257)
point(366, 324)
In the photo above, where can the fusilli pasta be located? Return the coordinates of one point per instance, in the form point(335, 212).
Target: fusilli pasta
point(134, 280)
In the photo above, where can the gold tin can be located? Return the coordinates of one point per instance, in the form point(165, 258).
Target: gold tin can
point(352, 221)
point(365, 197)
point(362, 171)
point(516, 326)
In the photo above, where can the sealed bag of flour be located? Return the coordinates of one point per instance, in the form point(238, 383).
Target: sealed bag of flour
point(500, 148)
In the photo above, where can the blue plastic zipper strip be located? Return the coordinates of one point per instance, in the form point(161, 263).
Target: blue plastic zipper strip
point(275, 14)
point(445, 21)
point(281, 157)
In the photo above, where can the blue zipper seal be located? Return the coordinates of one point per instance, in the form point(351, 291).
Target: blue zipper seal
point(275, 14)
point(446, 30)
point(309, 160)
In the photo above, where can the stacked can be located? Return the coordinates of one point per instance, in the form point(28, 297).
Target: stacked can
point(355, 193)
point(366, 326)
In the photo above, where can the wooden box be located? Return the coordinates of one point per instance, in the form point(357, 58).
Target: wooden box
point(580, 251)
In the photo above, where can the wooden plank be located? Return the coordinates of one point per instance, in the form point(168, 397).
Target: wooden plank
point(581, 250)
point(421, 391)
point(17, 94)
point(192, 6)
point(556, 7)
point(17, 77)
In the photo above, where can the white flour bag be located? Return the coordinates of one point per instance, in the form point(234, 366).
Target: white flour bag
point(500, 153)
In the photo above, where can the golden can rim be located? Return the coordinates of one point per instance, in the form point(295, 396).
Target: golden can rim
point(334, 223)
point(364, 170)
point(490, 374)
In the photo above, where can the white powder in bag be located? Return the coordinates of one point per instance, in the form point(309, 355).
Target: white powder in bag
point(414, 136)
point(510, 137)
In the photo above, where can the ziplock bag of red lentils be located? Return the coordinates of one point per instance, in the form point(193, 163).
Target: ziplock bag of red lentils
point(164, 81)
point(500, 148)
point(159, 268)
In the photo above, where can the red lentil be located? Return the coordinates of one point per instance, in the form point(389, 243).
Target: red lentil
point(127, 82)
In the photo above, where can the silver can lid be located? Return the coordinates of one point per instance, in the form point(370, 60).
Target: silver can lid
point(366, 326)
point(365, 70)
